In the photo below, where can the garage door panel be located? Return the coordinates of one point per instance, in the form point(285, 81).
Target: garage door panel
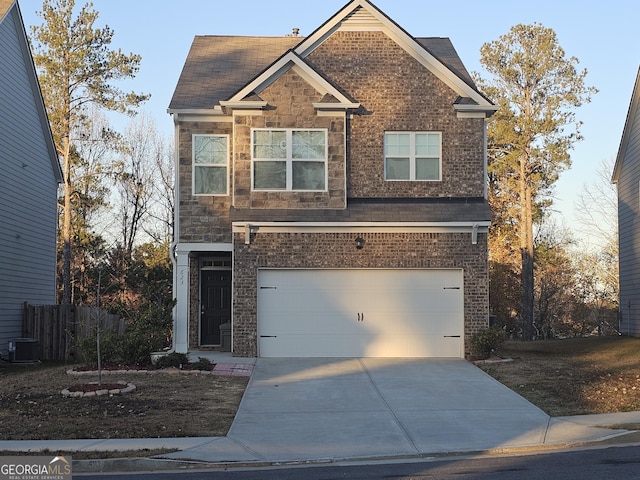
point(415, 346)
point(355, 313)
point(311, 315)
point(325, 345)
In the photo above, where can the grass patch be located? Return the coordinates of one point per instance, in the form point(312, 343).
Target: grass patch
point(573, 376)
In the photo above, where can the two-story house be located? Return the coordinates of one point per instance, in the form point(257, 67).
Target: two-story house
point(626, 176)
point(331, 193)
point(30, 177)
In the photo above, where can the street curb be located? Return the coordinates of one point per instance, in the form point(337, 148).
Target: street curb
point(154, 464)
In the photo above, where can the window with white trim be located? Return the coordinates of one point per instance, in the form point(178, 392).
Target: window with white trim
point(413, 156)
point(210, 164)
point(289, 159)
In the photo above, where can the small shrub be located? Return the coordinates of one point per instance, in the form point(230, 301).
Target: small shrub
point(172, 360)
point(202, 364)
point(109, 347)
point(487, 341)
point(135, 348)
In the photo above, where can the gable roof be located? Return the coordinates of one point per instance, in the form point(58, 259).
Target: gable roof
point(332, 97)
point(632, 116)
point(360, 15)
point(11, 7)
point(218, 67)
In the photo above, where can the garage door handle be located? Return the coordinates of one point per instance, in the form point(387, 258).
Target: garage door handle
point(360, 317)
point(451, 336)
point(268, 336)
point(451, 288)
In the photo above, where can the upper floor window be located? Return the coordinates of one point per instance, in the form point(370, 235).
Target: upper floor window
point(289, 159)
point(210, 164)
point(413, 156)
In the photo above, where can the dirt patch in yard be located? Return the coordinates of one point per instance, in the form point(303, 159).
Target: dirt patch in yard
point(162, 405)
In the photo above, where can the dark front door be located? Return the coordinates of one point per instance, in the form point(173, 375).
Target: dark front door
point(216, 305)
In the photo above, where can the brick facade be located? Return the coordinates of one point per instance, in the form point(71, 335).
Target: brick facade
point(336, 250)
point(396, 93)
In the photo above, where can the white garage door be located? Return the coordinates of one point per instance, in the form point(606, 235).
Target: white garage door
point(360, 313)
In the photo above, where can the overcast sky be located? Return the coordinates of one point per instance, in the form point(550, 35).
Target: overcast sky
point(602, 35)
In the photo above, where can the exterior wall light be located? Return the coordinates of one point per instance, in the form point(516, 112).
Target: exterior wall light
point(359, 243)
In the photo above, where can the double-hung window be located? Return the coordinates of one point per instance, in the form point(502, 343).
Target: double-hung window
point(210, 164)
point(413, 156)
point(289, 159)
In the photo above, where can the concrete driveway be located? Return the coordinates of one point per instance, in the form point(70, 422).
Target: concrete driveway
point(319, 408)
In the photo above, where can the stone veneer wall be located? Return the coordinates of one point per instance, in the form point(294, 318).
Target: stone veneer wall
point(290, 101)
point(337, 250)
point(203, 218)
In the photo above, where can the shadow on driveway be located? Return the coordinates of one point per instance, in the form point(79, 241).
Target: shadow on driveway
point(321, 408)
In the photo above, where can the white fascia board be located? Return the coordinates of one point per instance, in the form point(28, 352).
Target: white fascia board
point(247, 112)
point(285, 63)
point(199, 115)
point(249, 105)
point(363, 227)
point(335, 106)
point(475, 108)
point(331, 113)
point(186, 248)
point(475, 111)
point(195, 111)
point(471, 115)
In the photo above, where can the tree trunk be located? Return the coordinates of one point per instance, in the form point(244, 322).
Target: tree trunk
point(66, 229)
point(526, 313)
point(526, 252)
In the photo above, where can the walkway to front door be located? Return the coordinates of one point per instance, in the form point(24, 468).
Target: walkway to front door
point(215, 305)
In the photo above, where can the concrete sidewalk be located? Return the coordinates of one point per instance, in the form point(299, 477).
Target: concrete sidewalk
point(298, 410)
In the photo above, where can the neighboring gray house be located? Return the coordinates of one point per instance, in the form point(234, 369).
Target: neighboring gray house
point(626, 175)
point(331, 194)
point(30, 176)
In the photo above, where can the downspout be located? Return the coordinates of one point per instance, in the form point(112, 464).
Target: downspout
point(176, 227)
point(486, 161)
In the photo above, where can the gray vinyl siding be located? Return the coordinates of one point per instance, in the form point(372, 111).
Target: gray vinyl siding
point(629, 228)
point(28, 193)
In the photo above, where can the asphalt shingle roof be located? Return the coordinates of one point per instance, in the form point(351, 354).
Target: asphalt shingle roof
point(219, 66)
point(378, 210)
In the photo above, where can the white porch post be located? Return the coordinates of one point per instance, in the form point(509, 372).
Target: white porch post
point(181, 326)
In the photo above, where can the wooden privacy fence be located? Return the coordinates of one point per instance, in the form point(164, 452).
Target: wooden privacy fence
point(58, 327)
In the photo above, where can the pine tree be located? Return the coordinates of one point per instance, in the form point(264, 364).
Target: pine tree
point(77, 69)
point(538, 90)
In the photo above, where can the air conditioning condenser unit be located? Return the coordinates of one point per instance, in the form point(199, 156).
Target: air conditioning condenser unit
point(24, 350)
